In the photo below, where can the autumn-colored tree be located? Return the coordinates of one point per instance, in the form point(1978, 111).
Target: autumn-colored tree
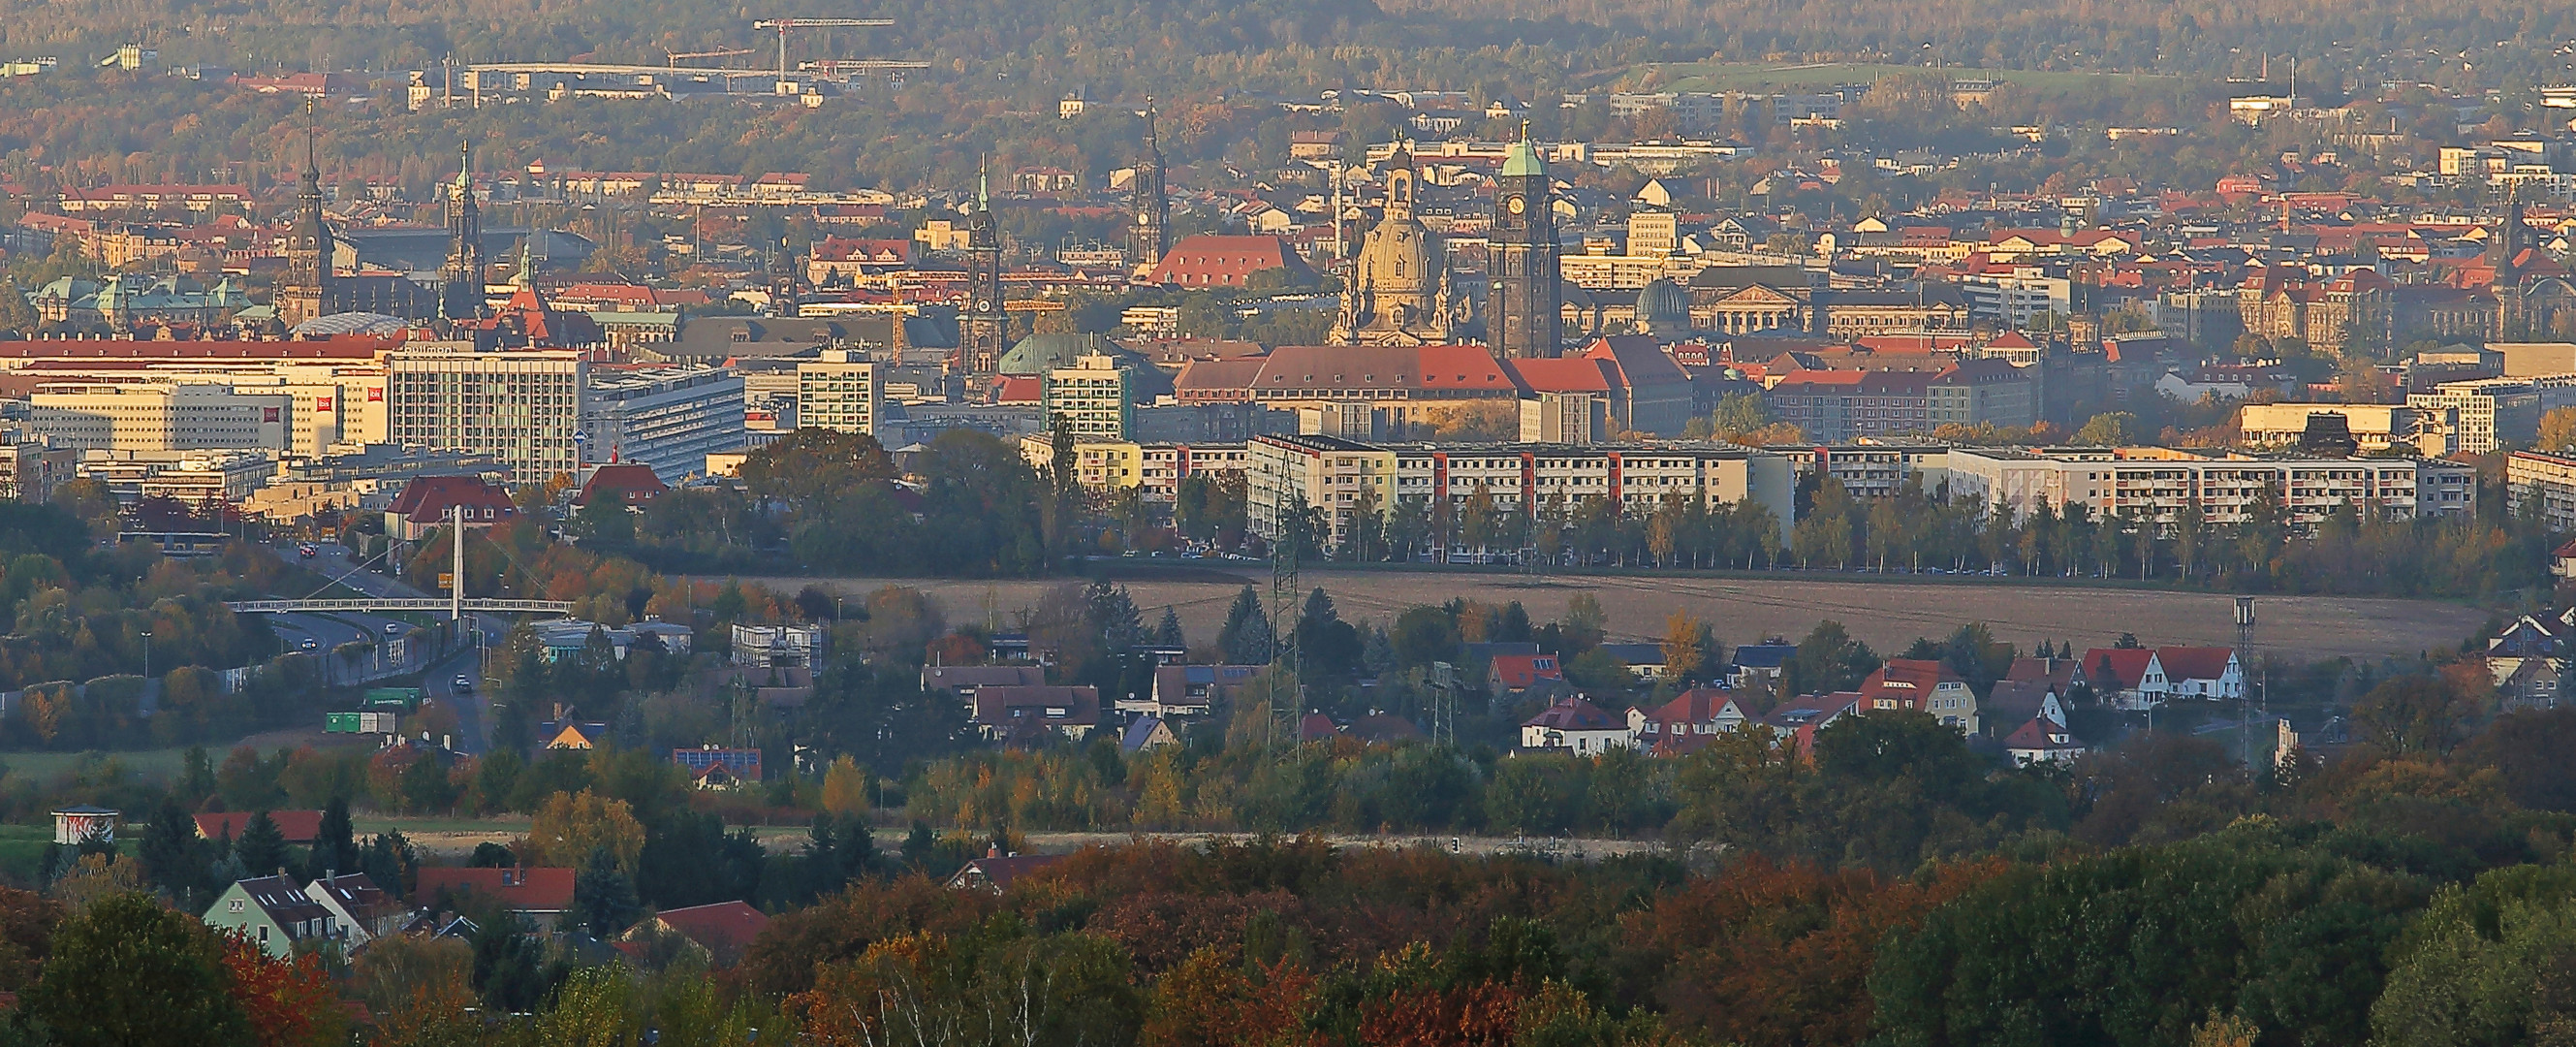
point(845, 787)
point(568, 826)
point(291, 1002)
point(1769, 955)
point(95, 877)
point(1486, 1014)
point(26, 931)
point(1210, 1001)
point(1681, 644)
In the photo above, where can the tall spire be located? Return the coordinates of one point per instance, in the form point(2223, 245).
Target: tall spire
point(312, 132)
point(983, 185)
point(1153, 141)
point(527, 276)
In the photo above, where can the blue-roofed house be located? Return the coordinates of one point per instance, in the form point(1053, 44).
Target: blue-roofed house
point(1761, 662)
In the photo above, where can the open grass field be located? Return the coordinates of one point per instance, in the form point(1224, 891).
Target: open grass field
point(1888, 614)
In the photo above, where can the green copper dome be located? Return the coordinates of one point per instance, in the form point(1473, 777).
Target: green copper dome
point(1523, 160)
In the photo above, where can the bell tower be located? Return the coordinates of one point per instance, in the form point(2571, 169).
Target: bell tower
point(305, 292)
point(461, 279)
point(1525, 316)
point(985, 325)
point(1153, 204)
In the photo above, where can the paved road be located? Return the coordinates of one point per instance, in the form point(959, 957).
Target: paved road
point(473, 714)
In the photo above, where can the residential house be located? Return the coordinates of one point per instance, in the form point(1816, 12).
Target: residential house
point(2120, 676)
point(1144, 733)
point(1927, 686)
point(994, 872)
point(2042, 740)
point(1384, 729)
point(632, 483)
point(1797, 720)
point(1576, 726)
point(2200, 672)
point(2016, 701)
point(1514, 674)
point(1644, 659)
point(1686, 723)
point(1761, 662)
point(776, 645)
point(1025, 715)
point(272, 912)
point(539, 895)
point(1189, 690)
point(364, 911)
point(964, 680)
point(719, 767)
point(298, 827)
point(720, 933)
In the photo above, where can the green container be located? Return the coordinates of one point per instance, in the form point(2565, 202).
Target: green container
point(406, 698)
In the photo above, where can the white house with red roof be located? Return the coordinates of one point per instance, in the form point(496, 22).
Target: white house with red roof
point(1576, 726)
point(2042, 740)
point(2200, 672)
point(2123, 677)
point(1686, 723)
point(1515, 673)
point(1922, 685)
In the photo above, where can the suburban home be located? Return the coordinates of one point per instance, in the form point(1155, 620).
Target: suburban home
point(574, 735)
point(1025, 715)
point(1383, 729)
point(1686, 723)
point(299, 827)
point(1761, 663)
point(2014, 701)
point(2059, 674)
point(2123, 677)
point(718, 767)
point(994, 872)
point(1515, 673)
point(1797, 720)
point(536, 894)
point(2200, 672)
point(363, 910)
point(1146, 732)
point(1929, 686)
point(2042, 740)
point(632, 483)
point(964, 680)
point(722, 932)
point(1644, 659)
point(273, 913)
point(1190, 690)
point(1577, 726)
point(1316, 727)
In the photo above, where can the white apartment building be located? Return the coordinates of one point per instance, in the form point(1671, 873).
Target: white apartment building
point(665, 417)
point(2487, 414)
point(1331, 474)
point(158, 416)
point(2375, 427)
point(2548, 478)
point(2160, 482)
point(524, 407)
point(2017, 298)
point(1157, 469)
point(189, 477)
point(839, 392)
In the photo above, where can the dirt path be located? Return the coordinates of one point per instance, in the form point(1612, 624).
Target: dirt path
point(1886, 614)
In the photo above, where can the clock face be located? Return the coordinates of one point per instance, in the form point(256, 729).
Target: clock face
point(1516, 205)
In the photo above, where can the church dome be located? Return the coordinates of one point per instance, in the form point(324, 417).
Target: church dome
point(1523, 160)
point(1663, 307)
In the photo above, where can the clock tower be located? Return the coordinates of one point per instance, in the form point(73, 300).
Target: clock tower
point(1525, 313)
point(984, 326)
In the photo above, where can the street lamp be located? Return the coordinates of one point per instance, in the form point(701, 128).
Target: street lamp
point(147, 654)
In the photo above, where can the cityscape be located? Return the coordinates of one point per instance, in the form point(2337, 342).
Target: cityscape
point(1287, 522)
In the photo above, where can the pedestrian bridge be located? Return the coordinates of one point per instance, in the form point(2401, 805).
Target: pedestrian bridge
point(397, 603)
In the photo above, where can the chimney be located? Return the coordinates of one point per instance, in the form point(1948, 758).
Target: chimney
point(993, 850)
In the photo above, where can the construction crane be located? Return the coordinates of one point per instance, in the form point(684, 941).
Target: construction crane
point(783, 25)
point(673, 58)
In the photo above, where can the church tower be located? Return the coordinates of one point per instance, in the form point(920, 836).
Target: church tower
point(1527, 314)
point(1153, 204)
point(305, 292)
point(782, 282)
point(985, 326)
point(461, 278)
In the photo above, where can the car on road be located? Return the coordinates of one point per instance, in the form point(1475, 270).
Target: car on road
point(464, 682)
point(308, 550)
point(309, 644)
point(393, 628)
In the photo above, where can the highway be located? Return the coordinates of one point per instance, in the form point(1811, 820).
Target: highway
point(332, 561)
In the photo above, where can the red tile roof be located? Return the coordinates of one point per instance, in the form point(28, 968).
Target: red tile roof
point(1572, 714)
point(1209, 260)
point(1907, 682)
point(2193, 663)
point(2128, 666)
point(427, 498)
point(726, 929)
point(1523, 670)
point(527, 890)
point(633, 480)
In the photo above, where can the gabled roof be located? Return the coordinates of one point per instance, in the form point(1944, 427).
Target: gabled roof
point(1697, 705)
point(2042, 734)
point(955, 677)
point(995, 872)
point(430, 497)
point(1007, 706)
point(296, 826)
point(2194, 663)
point(2128, 666)
point(523, 889)
point(1383, 729)
point(1906, 681)
point(1523, 670)
point(1765, 655)
point(725, 929)
point(283, 901)
point(634, 481)
point(1572, 714)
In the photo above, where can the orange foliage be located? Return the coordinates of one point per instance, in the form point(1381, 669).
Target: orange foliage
point(1766, 955)
point(1486, 1014)
point(291, 1003)
point(1208, 1001)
